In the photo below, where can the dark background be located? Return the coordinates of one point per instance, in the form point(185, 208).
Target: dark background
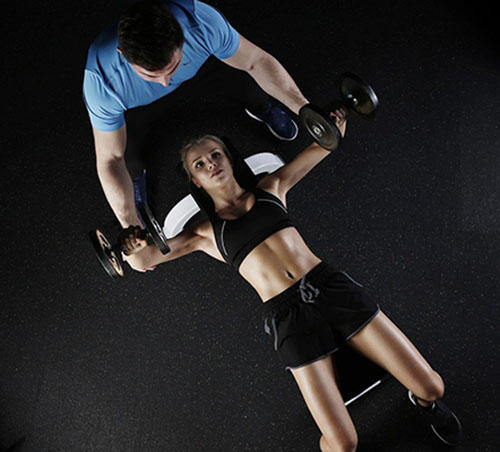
point(155, 362)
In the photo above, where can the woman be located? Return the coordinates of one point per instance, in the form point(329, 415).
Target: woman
point(310, 309)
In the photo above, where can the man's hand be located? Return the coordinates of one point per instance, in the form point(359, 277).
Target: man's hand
point(132, 241)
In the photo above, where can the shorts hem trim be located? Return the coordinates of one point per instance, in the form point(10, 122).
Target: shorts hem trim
point(363, 324)
point(313, 360)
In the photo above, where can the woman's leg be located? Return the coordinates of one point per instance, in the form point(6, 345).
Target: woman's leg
point(318, 385)
point(384, 343)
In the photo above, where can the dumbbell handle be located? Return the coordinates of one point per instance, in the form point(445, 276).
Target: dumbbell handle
point(337, 104)
point(320, 126)
point(143, 234)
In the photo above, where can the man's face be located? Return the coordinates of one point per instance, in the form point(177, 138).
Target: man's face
point(161, 76)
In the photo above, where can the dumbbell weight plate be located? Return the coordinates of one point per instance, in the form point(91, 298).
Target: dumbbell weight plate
point(320, 126)
point(154, 230)
point(358, 96)
point(106, 255)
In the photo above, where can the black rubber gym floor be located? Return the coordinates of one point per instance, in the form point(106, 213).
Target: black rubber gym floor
point(155, 362)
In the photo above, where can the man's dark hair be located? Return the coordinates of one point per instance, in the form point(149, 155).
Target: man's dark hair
point(148, 34)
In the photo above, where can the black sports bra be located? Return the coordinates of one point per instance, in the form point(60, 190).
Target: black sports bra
point(236, 238)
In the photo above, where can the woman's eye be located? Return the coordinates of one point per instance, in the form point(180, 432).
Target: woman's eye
point(198, 165)
point(216, 154)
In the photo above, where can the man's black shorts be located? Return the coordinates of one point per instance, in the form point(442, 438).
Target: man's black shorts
point(317, 315)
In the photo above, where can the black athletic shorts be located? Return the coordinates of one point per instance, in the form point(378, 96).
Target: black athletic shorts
point(317, 315)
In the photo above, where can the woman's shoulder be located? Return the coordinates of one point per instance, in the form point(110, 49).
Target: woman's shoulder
point(203, 228)
point(270, 185)
point(205, 240)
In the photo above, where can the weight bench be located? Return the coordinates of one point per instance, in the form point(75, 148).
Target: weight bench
point(357, 375)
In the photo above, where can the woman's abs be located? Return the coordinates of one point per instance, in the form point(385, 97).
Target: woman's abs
point(277, 263)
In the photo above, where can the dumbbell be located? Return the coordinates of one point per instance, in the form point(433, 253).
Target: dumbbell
point(109, 255)
point(356, 96)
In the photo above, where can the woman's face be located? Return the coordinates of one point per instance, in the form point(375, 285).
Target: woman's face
point(208, 164)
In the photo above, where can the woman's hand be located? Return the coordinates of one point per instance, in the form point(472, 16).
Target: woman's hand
point(339, 115)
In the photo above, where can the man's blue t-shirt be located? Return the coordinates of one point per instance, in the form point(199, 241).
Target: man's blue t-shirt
point(111, 86)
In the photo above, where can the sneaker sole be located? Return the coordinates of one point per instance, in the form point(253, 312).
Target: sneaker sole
point(411, 399)
point(432, 426)
point(271, 130)
point(441, 438)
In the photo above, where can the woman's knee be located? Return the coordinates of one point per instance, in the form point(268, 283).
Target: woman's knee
point(432, 387)
point(347, 442)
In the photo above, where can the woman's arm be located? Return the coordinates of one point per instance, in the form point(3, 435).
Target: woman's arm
point(288, 175)
point(141, 256)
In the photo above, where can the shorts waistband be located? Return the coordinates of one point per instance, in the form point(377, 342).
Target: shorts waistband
point(289, 296)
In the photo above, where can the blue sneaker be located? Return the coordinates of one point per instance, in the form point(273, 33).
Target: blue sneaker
point(277, 121)
point(140, 192)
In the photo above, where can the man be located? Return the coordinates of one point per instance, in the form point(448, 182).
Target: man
point(144, 58)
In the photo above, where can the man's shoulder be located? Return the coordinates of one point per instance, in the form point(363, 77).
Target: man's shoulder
point(193, 14)
point(102, 51)
point(186, 13)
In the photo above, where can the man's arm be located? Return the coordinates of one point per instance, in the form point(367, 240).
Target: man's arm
point(268, 72)
point(113, 174)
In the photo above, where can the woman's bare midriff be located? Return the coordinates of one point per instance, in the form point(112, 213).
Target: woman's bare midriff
point(277, 263)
